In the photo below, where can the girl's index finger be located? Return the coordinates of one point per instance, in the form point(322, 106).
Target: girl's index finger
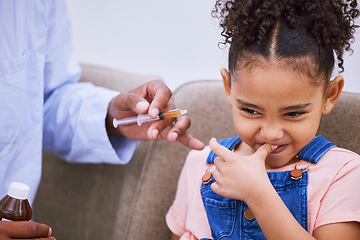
point(220, 150)
point(264, 151)
point(226, 154)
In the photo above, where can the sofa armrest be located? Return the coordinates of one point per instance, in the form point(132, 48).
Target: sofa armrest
point(112, 78)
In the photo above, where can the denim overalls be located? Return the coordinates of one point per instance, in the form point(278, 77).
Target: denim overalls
point(227, 217)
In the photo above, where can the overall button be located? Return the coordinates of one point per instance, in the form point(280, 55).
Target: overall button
point(296, 174)
point(248, 214)
point(207, 178)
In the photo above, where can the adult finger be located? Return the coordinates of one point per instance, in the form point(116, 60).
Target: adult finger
point(182, 124)
point(25, 229)
point(179, 132)
point(191, 142)
point(159, 129)
point(172, 136)
point(131, 101)
point(172, 128)
point(160, 96)
point(264, 151)
point(220, 150)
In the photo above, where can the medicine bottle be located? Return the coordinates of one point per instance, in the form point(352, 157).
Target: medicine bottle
point(15, 206)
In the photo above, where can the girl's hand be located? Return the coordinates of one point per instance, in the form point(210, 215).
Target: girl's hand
point(151, 97)
point(24, 230)
point(240, 177)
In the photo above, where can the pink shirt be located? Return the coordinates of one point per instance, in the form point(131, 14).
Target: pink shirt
point(333, 193)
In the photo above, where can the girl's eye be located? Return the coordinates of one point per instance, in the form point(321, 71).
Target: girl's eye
point(250, 111)
point(294, 114)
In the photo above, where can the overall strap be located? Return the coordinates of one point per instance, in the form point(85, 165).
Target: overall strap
point(229, 143)
point(315, 149)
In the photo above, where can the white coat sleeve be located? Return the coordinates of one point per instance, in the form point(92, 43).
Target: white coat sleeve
point(74, 113)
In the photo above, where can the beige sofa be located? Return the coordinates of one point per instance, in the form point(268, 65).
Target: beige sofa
point(101, 201)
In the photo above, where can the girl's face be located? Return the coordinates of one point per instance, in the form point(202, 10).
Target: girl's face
point(272, 104)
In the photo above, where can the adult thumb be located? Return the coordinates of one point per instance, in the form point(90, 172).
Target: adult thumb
point(265, 150)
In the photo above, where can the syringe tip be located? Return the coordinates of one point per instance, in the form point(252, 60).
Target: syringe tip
point(182, 112)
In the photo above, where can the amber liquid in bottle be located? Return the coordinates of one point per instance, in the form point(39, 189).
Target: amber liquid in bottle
point(15, 206)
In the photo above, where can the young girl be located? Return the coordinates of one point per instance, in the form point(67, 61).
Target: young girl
point(276, 179)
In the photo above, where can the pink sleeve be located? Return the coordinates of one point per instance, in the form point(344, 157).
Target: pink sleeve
point(187, 217)
point(341, 203)
point(177, 214)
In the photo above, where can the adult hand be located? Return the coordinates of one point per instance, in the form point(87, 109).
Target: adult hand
point(24, 230)
point(240, 177)
point(151, 97)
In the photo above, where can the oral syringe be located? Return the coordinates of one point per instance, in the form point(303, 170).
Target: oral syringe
point(141, 118)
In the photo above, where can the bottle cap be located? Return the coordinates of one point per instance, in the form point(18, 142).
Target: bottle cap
point(18, 190)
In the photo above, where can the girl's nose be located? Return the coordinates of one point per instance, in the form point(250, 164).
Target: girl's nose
point(271, 132)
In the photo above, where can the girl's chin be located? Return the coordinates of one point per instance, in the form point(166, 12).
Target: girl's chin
point(278, 160)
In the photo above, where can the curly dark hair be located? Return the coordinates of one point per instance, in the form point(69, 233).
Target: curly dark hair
point(289, 30)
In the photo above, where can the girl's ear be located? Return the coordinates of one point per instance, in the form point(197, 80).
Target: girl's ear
point(227, 84)
point(332, 94)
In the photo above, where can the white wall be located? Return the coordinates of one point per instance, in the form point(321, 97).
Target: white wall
point(177, 40)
